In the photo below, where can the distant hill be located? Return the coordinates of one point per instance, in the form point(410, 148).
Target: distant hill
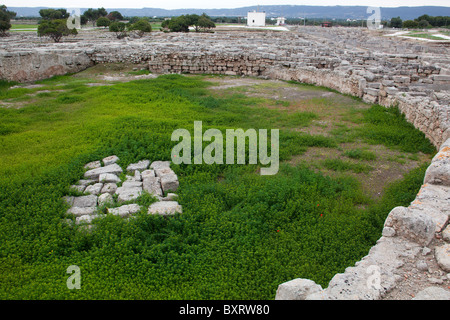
point(288, 11)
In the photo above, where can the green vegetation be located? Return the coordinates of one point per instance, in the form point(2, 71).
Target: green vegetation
point(5, 20)
point(114, 16)
point(425, 21)
point(182, 23)
point(140, 27)
point(388, 126)
point(55, 29)
point(240, 234)
point(23, 26)
point(121, 29)
point(92, 15)
point(103, 22)
point(341, 165)
point(425, 36)
point(360, 154)
point(53, 14)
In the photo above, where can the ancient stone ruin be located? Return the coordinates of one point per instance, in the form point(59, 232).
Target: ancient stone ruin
point(376, 67)
point(102, 188)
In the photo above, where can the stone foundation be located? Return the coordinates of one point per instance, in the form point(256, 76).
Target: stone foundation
point(411, 75)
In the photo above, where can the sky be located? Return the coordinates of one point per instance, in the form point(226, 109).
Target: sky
point(211, 4)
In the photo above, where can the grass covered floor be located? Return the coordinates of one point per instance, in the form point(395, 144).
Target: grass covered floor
point(240, 234)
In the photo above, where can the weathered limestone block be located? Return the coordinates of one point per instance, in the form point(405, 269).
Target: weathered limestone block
point(147, 174)
point(165, 208)
point(81, 211)
point(152, 185)
point(128, 194)
point(85, 183)
point(446, 233)
point(104, 199)
point(169, 182)
point(442, 255)
point(109, 188)
point(433, 200)
point(95, 173)
point(439, 170)
point(412, 225)
point(140, 166)
point(94, 188)
point(375, 275)
point(108, 178)
point(160, 164)
point(125, 211)
point(299, 289)
point(85, 201)
point(131, 184)
point(93, 165)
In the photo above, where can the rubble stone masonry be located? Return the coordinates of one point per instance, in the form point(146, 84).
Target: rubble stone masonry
point(415, 76)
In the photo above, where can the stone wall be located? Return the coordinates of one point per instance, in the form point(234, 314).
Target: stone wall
point(376, 68)
point(408, 234)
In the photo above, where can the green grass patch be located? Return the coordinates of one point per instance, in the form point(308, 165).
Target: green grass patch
point(139, 72)
point(425, 36)
point(360, 154)
point(240, 234)
point(388, 126)
point(341, 165)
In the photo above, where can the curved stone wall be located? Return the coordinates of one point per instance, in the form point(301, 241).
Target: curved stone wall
point(378, 69)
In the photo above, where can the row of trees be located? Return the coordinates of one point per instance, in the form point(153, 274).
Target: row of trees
point(89, 16)
point(182, 23)
point(54, 23)
point(424, 21)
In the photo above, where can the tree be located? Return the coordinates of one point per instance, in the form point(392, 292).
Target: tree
point(205, 23)
point(52, 14)
point(192, 20)
point(115, 16)
point(424, 24)
point(183, 22)
point(165, 25)
point(93, 14)
point(55, 29)
point(119, 28)
point(410, 24)
point(102, 12)
point(103, 22)
point(141, 26)
point(83, 20)
point(179, 24)
point(396, 22)
point(5, 19)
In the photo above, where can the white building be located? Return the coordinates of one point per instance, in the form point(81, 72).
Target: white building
point(256, 19)
point(281, 21)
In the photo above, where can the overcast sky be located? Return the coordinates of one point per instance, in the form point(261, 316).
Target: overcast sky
point(208, 4)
